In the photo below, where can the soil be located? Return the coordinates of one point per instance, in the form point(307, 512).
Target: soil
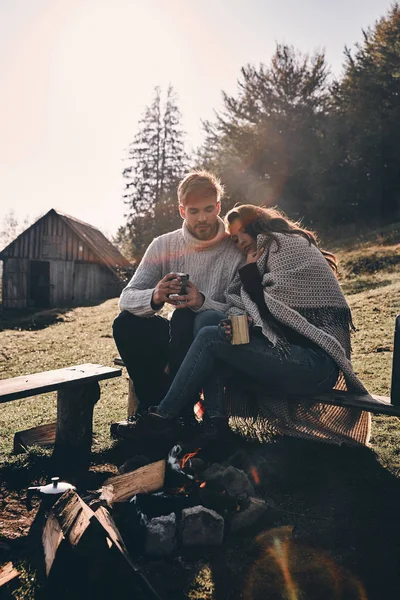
point(335, 525)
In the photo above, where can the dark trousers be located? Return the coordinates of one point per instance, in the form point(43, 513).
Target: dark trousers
point(147, 345)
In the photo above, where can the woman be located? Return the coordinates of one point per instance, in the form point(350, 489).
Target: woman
point(299, 338)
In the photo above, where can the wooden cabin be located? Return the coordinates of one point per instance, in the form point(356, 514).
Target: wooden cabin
point(60, 261)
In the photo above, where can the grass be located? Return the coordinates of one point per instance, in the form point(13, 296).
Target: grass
point(369, 266)
point(61, 338)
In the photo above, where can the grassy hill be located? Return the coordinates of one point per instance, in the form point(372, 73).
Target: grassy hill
point(370, 277)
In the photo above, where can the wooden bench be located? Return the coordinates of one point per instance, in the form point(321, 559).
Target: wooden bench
point(78, 391)
point(381, 405)
point(384, 405)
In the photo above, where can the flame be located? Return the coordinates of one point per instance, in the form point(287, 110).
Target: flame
point(255, 475)
point(199, 410)
point(203, 484)
point(188, 457)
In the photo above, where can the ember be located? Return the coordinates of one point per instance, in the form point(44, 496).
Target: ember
point(255, 475)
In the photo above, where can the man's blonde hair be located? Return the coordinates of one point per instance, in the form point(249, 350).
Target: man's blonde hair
point(202, 183)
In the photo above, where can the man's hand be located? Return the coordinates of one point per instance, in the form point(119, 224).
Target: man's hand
point(192, 299)
point(253, 257)
point(170, 284)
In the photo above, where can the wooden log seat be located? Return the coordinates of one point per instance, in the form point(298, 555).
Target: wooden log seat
point(78, 391)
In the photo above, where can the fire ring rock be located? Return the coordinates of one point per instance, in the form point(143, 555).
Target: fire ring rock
point(201, 526)
point(236, 483)
point(256, 511)
point(160, 535)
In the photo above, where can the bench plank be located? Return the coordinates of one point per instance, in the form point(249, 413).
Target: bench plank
point(338, 398)
point(49, 381)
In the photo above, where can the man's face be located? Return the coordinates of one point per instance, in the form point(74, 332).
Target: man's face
point(200, 213)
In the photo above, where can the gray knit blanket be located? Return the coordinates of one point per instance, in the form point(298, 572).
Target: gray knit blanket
point(302, 292)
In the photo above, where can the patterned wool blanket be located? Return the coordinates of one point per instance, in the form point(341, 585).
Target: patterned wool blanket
point(302, 292)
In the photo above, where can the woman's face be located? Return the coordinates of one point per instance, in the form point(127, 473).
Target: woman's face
point(241, 239)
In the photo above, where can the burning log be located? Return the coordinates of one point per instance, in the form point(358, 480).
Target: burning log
point(161, 504)
point(121, 488)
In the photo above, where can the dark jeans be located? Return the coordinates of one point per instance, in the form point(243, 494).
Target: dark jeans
point(148, 344)
point(303, 371)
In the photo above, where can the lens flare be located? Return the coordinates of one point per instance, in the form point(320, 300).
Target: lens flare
point(289, 570)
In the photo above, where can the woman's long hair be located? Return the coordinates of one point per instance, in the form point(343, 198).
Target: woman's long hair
point(268, 221)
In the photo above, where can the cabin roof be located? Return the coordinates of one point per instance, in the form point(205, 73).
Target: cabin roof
point(90, 235)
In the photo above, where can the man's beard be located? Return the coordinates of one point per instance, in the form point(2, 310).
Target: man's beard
point(207, 232)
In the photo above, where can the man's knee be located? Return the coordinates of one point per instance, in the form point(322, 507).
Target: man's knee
point(182, 318)
point(181, 328)
point(124, 323)
point(127, 325)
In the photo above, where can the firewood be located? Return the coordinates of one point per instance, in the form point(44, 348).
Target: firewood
point(44, 435)
point(67, 522)
point(52, 537)
point(120, 488)
point(88, 544)
point(7, 573)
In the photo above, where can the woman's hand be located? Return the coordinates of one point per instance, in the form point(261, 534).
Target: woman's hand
point(225, 329)
point(253, 257)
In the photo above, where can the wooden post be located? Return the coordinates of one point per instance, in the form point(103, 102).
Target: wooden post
point(132, 399)
point(74, 430)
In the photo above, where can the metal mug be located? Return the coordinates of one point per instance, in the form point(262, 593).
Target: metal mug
point(240, 329)
point(184, 279)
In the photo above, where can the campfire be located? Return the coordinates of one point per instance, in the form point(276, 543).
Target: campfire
point(180, 507)
point(186, 501)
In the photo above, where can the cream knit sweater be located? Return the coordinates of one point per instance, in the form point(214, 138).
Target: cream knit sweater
point(211, 266)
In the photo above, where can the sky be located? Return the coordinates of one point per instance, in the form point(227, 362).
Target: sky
point(77, 75)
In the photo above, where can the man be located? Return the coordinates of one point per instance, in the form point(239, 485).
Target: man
point(148, 342)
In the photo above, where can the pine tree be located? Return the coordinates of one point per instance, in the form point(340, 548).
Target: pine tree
point(368, 100)
point(157, 161)
point(266, 140)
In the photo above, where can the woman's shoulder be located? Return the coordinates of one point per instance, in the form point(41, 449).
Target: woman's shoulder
point(280, 241)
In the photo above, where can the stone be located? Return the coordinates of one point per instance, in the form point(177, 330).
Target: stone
point(160, 535)
point(215, 471)
point(214, 477)
point(256, 510)
point(201, 526)
point(236, 483)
